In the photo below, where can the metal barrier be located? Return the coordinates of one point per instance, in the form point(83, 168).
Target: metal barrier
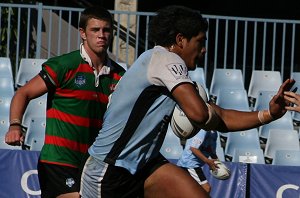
point(38, 31)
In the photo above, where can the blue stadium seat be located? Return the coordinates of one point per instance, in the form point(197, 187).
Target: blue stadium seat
point(220, 150)
point(285, 122)
point(4, 125)
point(37, 144)
point(5, 68)
point(226, 79)
point(263, 81)
point(287, 158)
point(29, 67)
point(197, 75)
point(280, 139)
point(5, 105)
point(7, 86)
point(263, 99)
point(233, 99)
point(171, 148)
point(249, 155)
point(243, 139)
point(35, 130)
point(36, 108)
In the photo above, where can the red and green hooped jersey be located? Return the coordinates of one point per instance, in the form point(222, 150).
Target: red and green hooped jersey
point(75, 107)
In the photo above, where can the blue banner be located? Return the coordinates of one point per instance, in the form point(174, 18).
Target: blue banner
point(274, 181)
point(234, 187)
point(18, 170)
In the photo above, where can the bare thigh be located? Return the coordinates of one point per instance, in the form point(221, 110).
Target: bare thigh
point(170, 181)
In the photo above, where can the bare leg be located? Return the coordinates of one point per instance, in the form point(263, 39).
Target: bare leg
point(69, 195)
point(170, 181)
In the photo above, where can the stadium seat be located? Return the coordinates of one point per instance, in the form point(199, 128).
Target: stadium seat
point(7, 86)
point(35, 130)
point(250, 155)
point(5, 68)
point(37, 144)
point(220, 150)
point(280, 139)
point(243, 139)
point(287, 158)
point(3, 145)
point(171, 148)
point(29, 67)
point(263, 81)
point(36, 108)
point(285, 122)
point(198, 76)
point(226, 79)
point(5, 105)
point(4, 125)
point(263, 99)
point(233, 99)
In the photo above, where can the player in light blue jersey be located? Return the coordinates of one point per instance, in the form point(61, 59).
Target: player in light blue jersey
point(198, 151)
point(124, 159)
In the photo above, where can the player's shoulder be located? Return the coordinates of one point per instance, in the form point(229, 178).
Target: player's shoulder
point(67, 60)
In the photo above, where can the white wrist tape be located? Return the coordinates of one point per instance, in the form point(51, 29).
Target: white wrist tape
point(213, 119)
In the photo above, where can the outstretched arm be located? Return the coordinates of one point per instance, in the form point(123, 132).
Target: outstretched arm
point(232, 120)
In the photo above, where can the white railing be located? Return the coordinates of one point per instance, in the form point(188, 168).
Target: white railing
point(38, 31)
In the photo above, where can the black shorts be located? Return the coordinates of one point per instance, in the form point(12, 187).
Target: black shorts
point(56, 180)
point(197, 174)
point(103, 180)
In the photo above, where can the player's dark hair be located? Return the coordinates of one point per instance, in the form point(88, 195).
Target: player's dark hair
point(174, 19)
point(96, 12)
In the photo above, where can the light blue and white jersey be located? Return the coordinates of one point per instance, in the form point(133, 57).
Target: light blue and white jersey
point(205, 141)
point(138, 113)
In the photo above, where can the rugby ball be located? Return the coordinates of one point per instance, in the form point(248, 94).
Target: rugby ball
point(222, 173)
point(180, 124)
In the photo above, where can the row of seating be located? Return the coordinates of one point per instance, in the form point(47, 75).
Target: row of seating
point(282, 147)
point(34, 118)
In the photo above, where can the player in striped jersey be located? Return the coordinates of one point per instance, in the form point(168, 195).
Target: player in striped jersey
point(78, 85)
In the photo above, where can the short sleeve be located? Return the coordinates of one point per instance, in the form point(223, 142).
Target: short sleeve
point(167, 69)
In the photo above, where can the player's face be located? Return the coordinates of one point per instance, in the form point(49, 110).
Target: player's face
point(97, 35)
point(194, 50)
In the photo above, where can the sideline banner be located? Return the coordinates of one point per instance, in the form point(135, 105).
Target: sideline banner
point(274, 181)
point(235, 186)
point(18, 170)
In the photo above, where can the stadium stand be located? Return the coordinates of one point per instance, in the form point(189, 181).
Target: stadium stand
point(285, 122)
point(224, 79)
point(286, 158)
point(280, 139)
point(4, 124)
point(35, 130)
point(263, 99)
point(263, 81)
point(198, 75)
point(250, 155)
point(245, 139)
point(5, 105)
point(28, 68)
point(5, 67)
point(6, 86)
point(37, 144)
point(36, 108)
point(171, 148)
point(233, 99)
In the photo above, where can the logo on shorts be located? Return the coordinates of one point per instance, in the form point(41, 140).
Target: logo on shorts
point(70, 182)
point(178, 70)
point(80, 80)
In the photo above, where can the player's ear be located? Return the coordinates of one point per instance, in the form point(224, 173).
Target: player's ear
point(179, 40)
point(82, 33)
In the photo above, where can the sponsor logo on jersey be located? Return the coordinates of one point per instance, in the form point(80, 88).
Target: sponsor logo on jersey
point(80, 80)
point(70, 182)
point(178, 70)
